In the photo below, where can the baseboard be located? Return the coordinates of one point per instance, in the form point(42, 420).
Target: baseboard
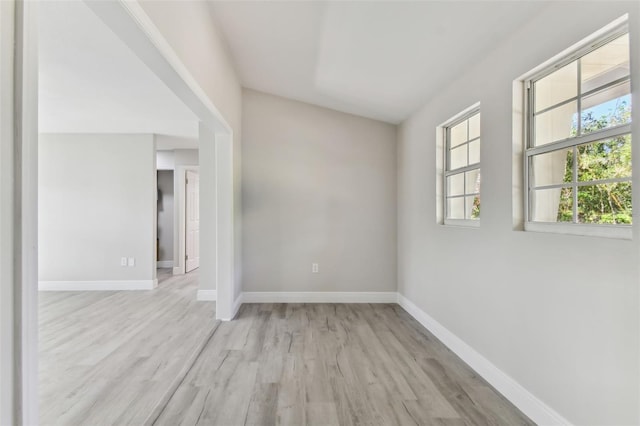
point(164, 264)
point(531, 406)
point(319, 297)
point(177, 270)
point(207, 295)
point(97, 285)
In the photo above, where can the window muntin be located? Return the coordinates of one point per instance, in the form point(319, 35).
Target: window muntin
point(581, 109)
point(462, 171)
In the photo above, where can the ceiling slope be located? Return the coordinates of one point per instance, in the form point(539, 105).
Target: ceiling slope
point(91, 82)
point(378, 59)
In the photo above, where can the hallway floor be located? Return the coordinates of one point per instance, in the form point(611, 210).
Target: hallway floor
point(108, 357)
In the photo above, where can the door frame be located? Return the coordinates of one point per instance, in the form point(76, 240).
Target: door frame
point(8, 322)
point(19, 193)
point(180, 209)
point(186, 233)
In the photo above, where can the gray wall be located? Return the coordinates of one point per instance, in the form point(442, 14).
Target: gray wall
point(165, 214)
point(185, 157)
point(97, 201)
point(557, 313)
point(318, 186)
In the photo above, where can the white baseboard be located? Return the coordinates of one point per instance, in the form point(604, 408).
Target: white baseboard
point(207, 295)
point(97, 285)
point(319, 297)
point(177, 270)
point(531, 406)
point(164, 264)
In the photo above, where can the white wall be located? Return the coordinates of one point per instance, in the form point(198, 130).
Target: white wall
point(165, 160)
point(210, 63)
point(165, 215)
point(557, 313)
point(318, 186)
point(97, 201)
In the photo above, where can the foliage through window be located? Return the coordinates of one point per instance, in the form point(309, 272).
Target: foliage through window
point(462, 171)
point(578, 157)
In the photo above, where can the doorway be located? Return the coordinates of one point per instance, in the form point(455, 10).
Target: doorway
point(165, 215)
point(20, 325)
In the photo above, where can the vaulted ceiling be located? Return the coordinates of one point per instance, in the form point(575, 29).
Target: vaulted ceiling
point(378, 59)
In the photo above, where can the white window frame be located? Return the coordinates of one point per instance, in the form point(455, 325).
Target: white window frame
point(599, 39)
point(446, 127)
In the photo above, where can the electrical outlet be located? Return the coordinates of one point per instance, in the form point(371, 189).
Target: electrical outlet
point(314, 268)
point(132, 261)
point(123, 261)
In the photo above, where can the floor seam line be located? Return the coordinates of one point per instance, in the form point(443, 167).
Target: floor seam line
point(168, 396)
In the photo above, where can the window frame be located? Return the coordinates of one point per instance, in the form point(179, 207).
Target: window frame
point(623, 231)
point(447, 171)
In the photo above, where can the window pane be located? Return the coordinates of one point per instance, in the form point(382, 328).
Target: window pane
point(552, 168)
point(455, 184)
point(458, 134)
point(556, 87)
point(474, 152)
point(455, 208)
point(458, 157)
point(605, 64)
point(556, 124)
point(605, 203)
point(606, 108)
point(474, 126)
point(607, 159)
point(552, 205)
point(472, 181)
point(472, 207)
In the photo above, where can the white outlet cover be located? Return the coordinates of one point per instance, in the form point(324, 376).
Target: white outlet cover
point(123, 261)
point(132, 261)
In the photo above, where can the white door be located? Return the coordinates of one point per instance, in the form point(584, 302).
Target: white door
point(192, 223)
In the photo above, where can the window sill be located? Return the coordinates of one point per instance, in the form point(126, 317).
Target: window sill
point(463, 223)
point(602, 231)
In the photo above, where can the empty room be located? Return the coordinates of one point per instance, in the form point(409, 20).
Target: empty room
point(319, 212)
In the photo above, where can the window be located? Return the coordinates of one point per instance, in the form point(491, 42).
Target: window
point(578, 152)
point(462, 170)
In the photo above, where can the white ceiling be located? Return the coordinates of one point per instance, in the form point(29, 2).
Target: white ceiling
point(378, 59)
point(90, 82)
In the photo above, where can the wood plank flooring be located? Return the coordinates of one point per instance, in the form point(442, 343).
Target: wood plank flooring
point(106, 358)
point(332, 364)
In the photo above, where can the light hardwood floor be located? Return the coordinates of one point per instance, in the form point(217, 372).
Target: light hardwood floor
point(330, 364)
point(107, 358)
point(116, 358)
